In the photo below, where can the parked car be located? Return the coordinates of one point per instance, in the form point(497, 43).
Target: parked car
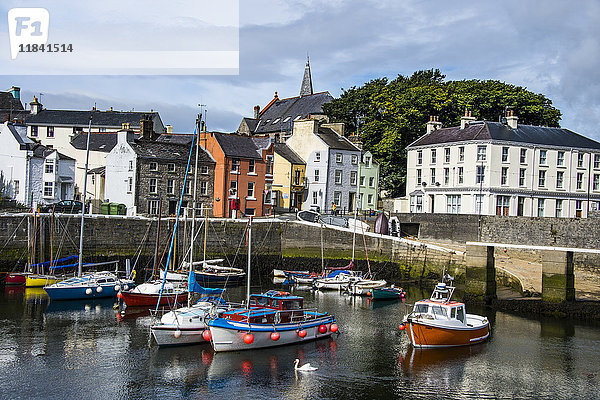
point(64, 206)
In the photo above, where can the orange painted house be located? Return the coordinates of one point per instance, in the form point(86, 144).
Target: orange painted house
point(243, 174)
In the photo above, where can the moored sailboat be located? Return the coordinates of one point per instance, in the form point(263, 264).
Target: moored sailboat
point(270, 319)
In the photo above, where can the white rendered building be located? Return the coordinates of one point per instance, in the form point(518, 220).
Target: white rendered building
point(33, 173)
point(332, 164)
point(492, 168)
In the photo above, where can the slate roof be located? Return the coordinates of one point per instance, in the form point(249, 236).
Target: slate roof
point(274, 118)
point(167, 151)
point(539, 135)
point(114, 119)
point(286, 152)
point(335, 141)
point(8, 102)
point(178, 138)
point(251, 123)
point(238, 146)
point(103, 142)
point(19, 132)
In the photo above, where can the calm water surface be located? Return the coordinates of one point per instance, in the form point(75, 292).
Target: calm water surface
point(83, 350)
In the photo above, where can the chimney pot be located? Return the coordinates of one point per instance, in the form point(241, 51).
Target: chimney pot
point(466, 119)
point(433, 124)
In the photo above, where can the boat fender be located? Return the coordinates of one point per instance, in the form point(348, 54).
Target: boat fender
point(302, 333)
point(275, 336)
point(402, 327)
point(248, 338)
point(177, 334)
point(206, 335)
point(132, 275)
point(334, 328)
point(125, 287)
point(99, 289)
point(284, 293)
point(322, 329)
point(88, 291)
point(117, 288)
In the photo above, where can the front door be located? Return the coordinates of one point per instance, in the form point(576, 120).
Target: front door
point(172, 207)
point(299, 201)
point(351, 198)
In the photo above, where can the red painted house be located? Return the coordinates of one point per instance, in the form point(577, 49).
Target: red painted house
point(243, 174)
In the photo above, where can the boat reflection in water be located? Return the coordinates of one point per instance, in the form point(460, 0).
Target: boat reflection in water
point(80, 305)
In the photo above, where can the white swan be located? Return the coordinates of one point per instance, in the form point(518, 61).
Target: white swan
point(305, 368)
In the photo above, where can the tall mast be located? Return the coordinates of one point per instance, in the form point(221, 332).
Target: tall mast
point(197, 144)
point(249, 256)
point(87, 159)
point(157, 239)
point(354, 234)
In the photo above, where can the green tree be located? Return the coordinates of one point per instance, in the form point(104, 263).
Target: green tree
point(389, 115)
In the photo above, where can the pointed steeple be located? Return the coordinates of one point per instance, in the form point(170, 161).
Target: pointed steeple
point(306, 89)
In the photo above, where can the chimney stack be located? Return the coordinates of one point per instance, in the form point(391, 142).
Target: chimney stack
point(169, 129)
point(16, 92)
point(433, 124)
point(256, 112)
point(147, 129)
point(466, 119)
point(511, 119)
point(36, 106)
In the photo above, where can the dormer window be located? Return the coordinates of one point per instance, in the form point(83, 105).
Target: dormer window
point(153, 166)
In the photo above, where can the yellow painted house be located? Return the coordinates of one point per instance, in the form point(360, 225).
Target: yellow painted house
point(288, 178)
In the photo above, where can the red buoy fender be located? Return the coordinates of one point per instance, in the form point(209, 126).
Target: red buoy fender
point(248, 338)
point(207, 335)
point(275, 336)
point(302, 333)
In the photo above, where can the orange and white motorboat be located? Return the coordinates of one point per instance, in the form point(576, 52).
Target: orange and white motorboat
point(441, 322)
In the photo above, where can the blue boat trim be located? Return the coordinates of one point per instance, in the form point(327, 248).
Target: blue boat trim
point(244, 327)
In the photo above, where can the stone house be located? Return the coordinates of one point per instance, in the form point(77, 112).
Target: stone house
point(276, 119)
point(148, 175)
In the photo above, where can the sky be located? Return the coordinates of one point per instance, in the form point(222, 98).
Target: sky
point(550, 47)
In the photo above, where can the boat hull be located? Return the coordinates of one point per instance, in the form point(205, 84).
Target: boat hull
point(424, 334)
point(15, 279)
point(208, 280)
point(178, 336)
point(229, 335)
point(39, 280)
point(386, 294)
point(144, 299)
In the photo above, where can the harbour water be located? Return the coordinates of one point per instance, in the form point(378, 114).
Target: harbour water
point(88, 350)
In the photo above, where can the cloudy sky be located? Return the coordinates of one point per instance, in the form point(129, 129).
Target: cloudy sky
point(551, 47)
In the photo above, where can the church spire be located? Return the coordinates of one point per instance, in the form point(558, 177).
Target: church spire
point(306, 89)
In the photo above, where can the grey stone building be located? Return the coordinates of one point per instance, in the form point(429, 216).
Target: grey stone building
point(148, 174)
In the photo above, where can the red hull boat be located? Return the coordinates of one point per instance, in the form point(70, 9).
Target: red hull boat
point(15, 279)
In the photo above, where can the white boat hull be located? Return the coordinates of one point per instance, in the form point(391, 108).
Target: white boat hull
point(178, 336)
point(231, 338)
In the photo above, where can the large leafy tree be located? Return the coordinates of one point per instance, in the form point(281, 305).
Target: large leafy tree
point(389, 115)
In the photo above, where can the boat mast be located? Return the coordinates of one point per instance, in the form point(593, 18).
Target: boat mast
point(197, 144)
point(249, 256)
point(354, 235)
point(87, 159)
point(322, 258)
point(157, 240)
